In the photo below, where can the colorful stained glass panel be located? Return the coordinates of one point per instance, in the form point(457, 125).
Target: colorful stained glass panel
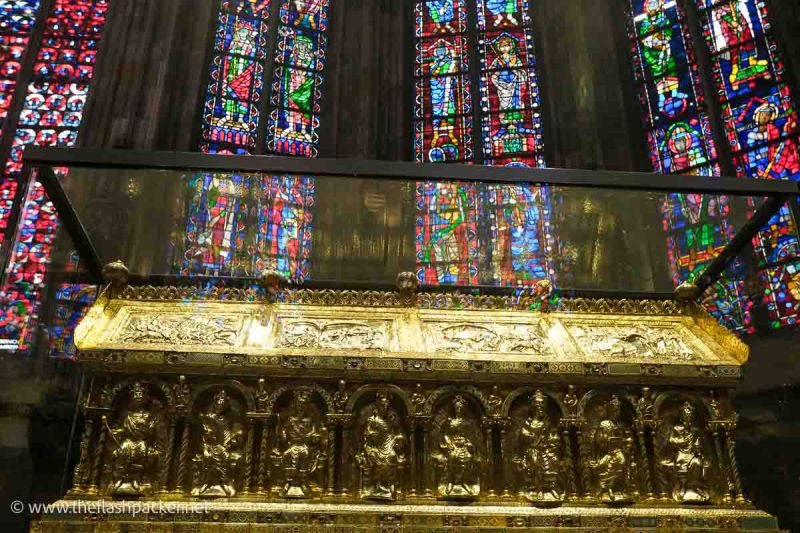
point(447, 238)
point(440, 17)
point(297, 80)
point(511, 123)
point(51, 115)
point(443, 102)
point(236, 83)
point(761, 125)
point(680, 140)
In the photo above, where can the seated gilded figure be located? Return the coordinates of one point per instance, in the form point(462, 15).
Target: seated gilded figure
point(137, 442)
point(684, 459)
point(457, 454)
point(381, 457)
point(537, 456)
point(611, 448)
point(218, 461)
point(300, 455)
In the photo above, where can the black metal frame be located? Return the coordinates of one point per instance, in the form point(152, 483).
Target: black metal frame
point(777, 192)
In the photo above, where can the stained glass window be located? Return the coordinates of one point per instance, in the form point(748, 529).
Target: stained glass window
point(760, 122)
point(512, 245)
point(680, 140)
point(245, 224)
point(511, 126)
point(17, 18)
point(265, 88)
point(236, 84)
point(51, 115)
point(443, 104)
point(296, 86)
point(242, 225)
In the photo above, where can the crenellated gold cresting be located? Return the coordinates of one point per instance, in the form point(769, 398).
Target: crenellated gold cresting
point(388, 411)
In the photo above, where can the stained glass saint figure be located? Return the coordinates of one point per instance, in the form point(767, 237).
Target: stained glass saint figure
point(503, 12)
point(656, 32)
point(733, 29)
point(239, 73)
point(442, 13)
point(778, 160)
point(444, 142)
point(308, 13)
point(508, 78)
point(684, 147)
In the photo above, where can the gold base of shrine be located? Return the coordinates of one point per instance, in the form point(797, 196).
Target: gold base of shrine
point(89, 516)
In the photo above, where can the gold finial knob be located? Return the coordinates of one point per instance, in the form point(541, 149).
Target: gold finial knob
point(272, 281)
point(687, 292)
point(116, 274)
point(407, 284)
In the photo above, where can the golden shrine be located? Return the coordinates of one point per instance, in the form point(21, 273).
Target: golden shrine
point(275, 407)
point(406, 411)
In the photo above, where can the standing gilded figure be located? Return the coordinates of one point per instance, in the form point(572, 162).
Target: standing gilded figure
point(381, 457)
point(536, 455)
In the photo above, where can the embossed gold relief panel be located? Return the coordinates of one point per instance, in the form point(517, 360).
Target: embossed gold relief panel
point(642, 339)
point(271, 440)
point(296, 329)
point(260, 335)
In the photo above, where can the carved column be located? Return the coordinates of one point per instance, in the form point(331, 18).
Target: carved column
point(98, 456)
point(330, 476)
point(427, 470)
point(348, 477)
point(566, 437)
point(730, 445)
point(644, 459)
point(714, 427)
point(183, 458)
point(505, 459)
point(491, 460)
point(583, 458)
point(82, 469)
point(412, 462)
point(166, 463)
point(263, 457)
point(249, 456)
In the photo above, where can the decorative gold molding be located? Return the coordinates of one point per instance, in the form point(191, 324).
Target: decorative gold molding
point(346, 330)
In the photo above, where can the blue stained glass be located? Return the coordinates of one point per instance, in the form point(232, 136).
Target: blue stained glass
point(680, 140)
point(761, 125)
point(297, 80)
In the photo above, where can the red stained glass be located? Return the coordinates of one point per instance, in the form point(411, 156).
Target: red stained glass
point(760, 120)
point(680, 140)
point(51, 115)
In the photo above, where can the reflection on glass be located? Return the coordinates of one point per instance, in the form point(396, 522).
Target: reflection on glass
point(240, 225)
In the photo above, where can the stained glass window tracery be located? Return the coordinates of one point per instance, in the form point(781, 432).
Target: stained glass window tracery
point(514, 246)
point(760, 122)
point(51, 115)
point(680, 140)
point(245, 224)
point(17, 18)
